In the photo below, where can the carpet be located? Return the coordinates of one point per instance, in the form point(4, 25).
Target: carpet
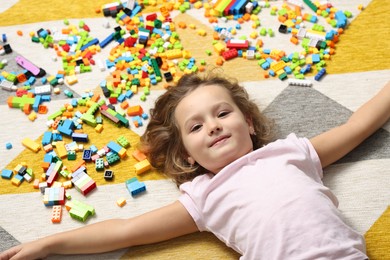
point(357, 70)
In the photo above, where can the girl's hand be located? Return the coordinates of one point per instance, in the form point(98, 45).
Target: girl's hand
point(27, 251)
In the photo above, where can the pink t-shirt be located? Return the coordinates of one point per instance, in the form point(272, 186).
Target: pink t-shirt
point(272, 204)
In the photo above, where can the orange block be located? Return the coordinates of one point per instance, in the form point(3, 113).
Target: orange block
point(45, 166)
point(138, 155)
point(21, 78)
point(124, 104)
point(78, 165)
point(56, 214)
point(27, 109)
point(42, 109)
point(294, 40)
point(95, 97)
point(135, 111)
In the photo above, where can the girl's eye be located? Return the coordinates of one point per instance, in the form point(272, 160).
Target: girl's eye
point(195, 128)
point(223, 113)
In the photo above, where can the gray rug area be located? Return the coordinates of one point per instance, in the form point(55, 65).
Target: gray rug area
point(307, 112)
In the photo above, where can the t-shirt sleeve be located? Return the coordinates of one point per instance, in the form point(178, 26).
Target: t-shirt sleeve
point(312, 162)
point(190, 203)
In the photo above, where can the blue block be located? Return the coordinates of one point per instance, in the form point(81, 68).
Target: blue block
point(37, 102)
point(80, 137)
point(134, 186)
point(6, 174)
point(47, 138)
point(66, 127)
point(320, 74)
point(107, 40)
point(114, 146)
point(8, 146)
point(87, 154)
point(93, 149)
point(90, 43)
point(48, 158)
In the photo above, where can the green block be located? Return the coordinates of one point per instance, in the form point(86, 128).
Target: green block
point(122, 141)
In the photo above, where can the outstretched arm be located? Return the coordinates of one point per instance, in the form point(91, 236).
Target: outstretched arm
point(158, 225)
point(337, 142)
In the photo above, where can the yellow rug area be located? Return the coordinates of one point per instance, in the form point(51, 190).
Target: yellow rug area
point(378, 238)
point(46, 10)
point(365, 44)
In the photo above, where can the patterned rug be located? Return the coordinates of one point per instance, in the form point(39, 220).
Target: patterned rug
point(357, 70)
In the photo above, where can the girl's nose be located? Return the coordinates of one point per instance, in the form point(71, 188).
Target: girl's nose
point(214, 127)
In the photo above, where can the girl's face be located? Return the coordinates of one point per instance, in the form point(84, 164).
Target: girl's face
point(213, 129)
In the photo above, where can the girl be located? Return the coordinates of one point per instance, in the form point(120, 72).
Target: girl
point(264, 199)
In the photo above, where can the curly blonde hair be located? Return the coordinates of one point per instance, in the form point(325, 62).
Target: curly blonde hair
point(162, 142)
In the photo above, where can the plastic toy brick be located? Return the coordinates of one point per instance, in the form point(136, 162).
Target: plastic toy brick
point(80, 211)
point(6, 174)
point(114, 146)
point(30, 144)
point(237, 44)
point(71, 155)
point(123, 141)
point(108, 175)
point(134, 111)
point(320, 74)
point(8, 146)
point(61, 150)
point(121, 202)
point(299, 82)
point(138, 155)
point(142, 166)
point(7, 85)
point(47, 138)
point(87, 155)
point(83, 182)
point(112, 158)
point(66, 127)
point(54, 196)
point(56, 214)
point(135, 187)
point(99, 164)
point(80, 137)
point(78, 165)
point(53, 171)
point(27, 65)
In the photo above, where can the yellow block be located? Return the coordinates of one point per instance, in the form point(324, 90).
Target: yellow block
point(30, 144)
point(142, 166)
point(275, 66)
point(121, 202)
point(61, 150)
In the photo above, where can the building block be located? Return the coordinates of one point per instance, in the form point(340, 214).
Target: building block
point(27, 65)
point(82, 181)
point(6, 174)
point(134, 186)
point(8, 146)
point(320, 74)
point(138, 155)
point(142, 166)
point(121, 202)
point(108, 175)
point(54, 196)
point(56, 214)
point(30, 144)
point(80, 211)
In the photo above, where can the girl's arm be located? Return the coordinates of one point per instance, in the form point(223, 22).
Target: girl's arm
point(158, 225)
point(337, 142)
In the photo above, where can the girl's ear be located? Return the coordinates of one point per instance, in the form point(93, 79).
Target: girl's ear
point(250, 124)
point(190, 160)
